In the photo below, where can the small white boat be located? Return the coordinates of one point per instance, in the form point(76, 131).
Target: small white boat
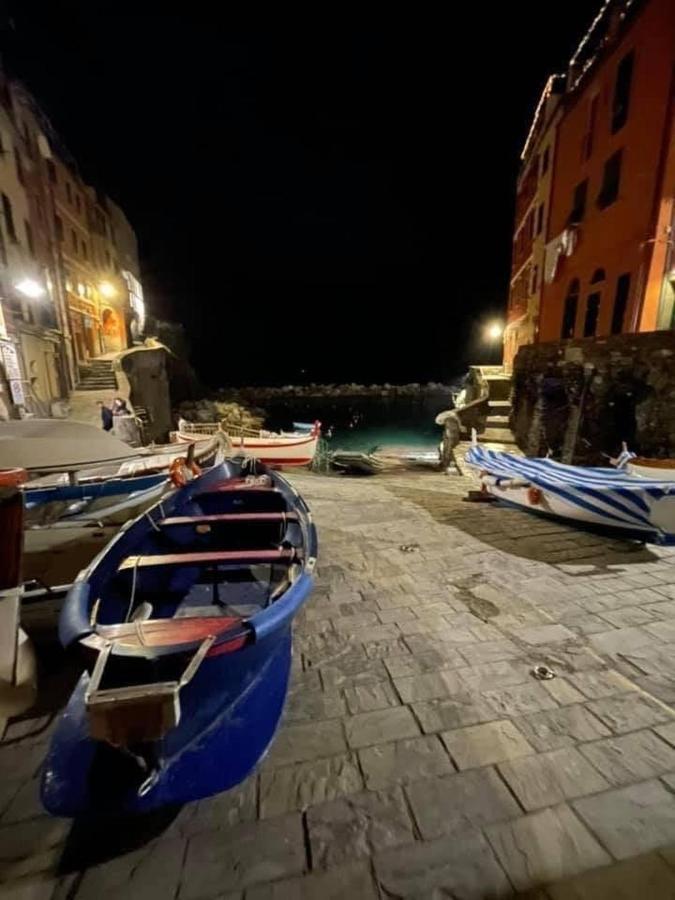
point(661, 469)
point(611, 498)
point(271, 448)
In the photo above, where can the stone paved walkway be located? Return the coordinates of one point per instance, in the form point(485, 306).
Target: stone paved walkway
point(418, 756)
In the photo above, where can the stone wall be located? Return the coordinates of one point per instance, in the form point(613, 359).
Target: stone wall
point(582, 398)
point(158, 381)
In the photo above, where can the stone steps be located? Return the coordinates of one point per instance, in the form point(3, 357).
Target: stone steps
point(98, 375)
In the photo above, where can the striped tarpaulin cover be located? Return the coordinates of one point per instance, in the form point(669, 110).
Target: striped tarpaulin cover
point(614, 495)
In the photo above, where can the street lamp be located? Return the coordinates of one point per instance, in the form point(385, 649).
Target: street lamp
point(494, 331)
point(30, 288)
point(107, 289)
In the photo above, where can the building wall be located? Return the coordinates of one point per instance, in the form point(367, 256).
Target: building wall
point(530, 234)
point(618, 239)
point(55, 231)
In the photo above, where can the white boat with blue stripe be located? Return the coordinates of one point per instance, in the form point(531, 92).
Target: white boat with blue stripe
point(606, 497)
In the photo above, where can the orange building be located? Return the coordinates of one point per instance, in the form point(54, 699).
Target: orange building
point(608, 262)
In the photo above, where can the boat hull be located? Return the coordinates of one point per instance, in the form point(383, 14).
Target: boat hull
point(216, 745)
point(283, 450)
point(661, 473)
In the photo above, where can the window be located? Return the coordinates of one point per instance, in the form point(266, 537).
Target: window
point(29, 238)
point(58, 228)
point(540, 218)
point(592, 311)
point(598, 276)
point(73, 239)
point(621, 98)
point(85, 250)
point(611, 178)
point(69, 192)
point(9, 218)
point(579, 203)
point(78, 203)
point(620, 302)
point(535, 279)
point(19, 166)
point(570, 312)
point(545, 161)
point(51, 168)
point(587, 144)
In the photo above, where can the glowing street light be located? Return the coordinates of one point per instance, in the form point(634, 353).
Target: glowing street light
point(494, 331)
point(30, 288)
point(107, 289)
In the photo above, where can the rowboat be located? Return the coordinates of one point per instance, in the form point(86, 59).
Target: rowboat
point(271, 448)
point(184, 624)
point(55, 452)
point(610, 498)
point(113, 500)
point(17, 659)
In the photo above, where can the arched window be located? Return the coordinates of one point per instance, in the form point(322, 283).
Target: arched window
point(598, 276)
point(570, 311)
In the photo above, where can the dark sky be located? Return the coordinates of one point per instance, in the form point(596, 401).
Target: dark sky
point(331, 198)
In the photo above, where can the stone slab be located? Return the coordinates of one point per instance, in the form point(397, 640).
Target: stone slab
point(461, 709)
point(630, 712)
point(300, 743)
point(429, 686)
point(460, 802)
point(545, 846)
point(353, 827)
point(459, 866)
point(550, 778)
point(354, 881)
point(232, 859)
point(621, 640)
point(482, 745)
point(631, 820)
point(404, 761)
point(367, 697)
point(631, 757)
point(520, 699)
point(603, 683)
point(431, 661)
point(565, 727)
point(380, 726)
point(543, 634)
point(305, 784)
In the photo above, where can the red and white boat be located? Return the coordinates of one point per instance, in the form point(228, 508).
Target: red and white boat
point(272, 448)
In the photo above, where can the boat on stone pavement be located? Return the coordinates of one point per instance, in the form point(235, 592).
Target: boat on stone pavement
point(184, 624)
point(280, 449)
point(627, 504)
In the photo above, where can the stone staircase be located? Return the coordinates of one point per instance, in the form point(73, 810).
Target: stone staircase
point(97, 375)
point(497, 429)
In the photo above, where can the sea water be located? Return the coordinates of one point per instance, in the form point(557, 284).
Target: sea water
point(364, 423)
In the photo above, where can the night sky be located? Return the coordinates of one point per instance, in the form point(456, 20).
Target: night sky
point(333, 198)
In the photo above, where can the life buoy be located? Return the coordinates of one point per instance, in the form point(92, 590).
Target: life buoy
point(534, 495)
point(180, 471)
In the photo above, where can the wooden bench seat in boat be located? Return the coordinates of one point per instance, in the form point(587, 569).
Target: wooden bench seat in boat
point(165, 632)
point(229, 517)
point(212, 557)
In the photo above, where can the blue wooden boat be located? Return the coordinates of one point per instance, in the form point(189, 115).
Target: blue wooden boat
point(75, 499)
point(184, 622)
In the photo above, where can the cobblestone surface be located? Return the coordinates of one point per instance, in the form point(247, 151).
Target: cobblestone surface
point(418, 756)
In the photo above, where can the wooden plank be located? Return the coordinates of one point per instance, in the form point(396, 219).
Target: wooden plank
point(230, 517)
point(212, 557)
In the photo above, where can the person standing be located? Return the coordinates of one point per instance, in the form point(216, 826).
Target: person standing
point(106, 416)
